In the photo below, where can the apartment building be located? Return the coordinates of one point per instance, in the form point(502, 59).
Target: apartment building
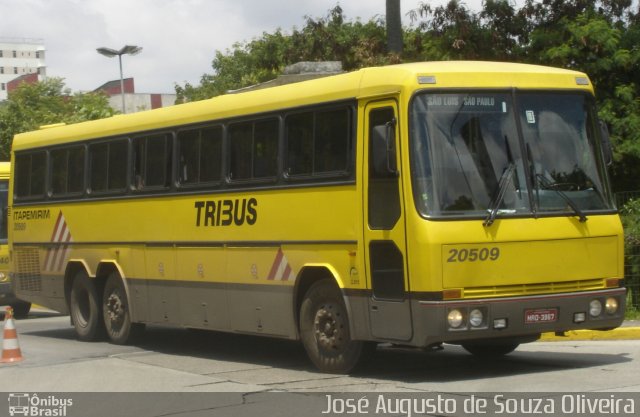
point(20, 57)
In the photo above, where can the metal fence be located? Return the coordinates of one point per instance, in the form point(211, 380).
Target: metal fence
point(632, 273)
point(631, 253)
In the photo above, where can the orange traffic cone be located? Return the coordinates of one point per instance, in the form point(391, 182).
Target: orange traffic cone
point(10, 347)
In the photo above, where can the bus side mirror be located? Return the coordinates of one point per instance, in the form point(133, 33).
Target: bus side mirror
point(607, 149)
point(383, 150)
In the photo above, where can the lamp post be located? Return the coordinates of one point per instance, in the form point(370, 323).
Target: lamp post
point(110, 53)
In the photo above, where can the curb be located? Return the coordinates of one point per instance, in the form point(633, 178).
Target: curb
point(620, 333)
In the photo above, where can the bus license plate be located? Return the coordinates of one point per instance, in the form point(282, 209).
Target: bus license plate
point(545, 315)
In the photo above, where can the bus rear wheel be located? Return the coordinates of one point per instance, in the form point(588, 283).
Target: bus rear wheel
point(116, 313)
point(324, 329)
point(84, 306)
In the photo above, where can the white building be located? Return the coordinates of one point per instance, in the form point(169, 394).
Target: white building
point(134, 102)
point(18, 57)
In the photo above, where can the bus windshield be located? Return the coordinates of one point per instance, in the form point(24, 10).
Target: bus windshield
point(504, 154)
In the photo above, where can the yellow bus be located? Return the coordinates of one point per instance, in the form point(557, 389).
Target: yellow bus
point(7, 297)
point(419, 204)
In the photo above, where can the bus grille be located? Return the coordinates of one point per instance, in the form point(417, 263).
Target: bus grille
point(28, 269)
point(528, 289)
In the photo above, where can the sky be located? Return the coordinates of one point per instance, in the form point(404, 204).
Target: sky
point(179, 37)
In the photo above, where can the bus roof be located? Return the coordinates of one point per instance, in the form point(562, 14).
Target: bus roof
point(367, 82)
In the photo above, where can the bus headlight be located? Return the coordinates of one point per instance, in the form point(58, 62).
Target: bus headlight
point(611, 305)
point(595, 308)
point(455, 318)
point(476, 318)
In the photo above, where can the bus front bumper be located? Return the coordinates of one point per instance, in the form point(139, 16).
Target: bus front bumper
point(526, 317)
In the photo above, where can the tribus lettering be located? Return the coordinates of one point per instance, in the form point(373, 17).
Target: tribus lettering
point(226, 212)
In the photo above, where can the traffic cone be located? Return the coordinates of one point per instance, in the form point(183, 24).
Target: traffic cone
point(10, 347)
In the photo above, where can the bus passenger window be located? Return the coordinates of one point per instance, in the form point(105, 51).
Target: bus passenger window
point(265, 151)
point(332, 141)
point(108, 166)
point(189, 142)
point(211, 154)
point(299, 128)
point(254, 150)
point(67, 170)
point(152, 162)
point(318, 143)
point(156, 162)
point(200, 155)
point(241, 138)
point(30, 173)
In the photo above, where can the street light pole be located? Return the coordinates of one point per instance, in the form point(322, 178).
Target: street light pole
point(110, 53)
point(121, 84)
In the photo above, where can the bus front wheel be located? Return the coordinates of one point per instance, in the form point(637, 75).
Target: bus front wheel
point(21, 309)
point(489, 350)
point(324, 329)
point(116, 313)
point(84, 306)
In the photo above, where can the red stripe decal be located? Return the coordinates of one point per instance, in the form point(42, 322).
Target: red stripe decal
point(276, 265)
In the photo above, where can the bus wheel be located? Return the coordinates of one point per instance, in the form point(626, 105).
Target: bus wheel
point(324, 329)
point(115, 310)
point(21, 309)
point(491, 350)
point(85, 309)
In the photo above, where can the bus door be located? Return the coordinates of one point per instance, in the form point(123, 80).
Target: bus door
point(384, 235)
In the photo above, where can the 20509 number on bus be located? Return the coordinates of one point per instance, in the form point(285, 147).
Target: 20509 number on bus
point(473, 255)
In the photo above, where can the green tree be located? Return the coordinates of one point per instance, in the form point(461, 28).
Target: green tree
point(599, 38)
point(329, 38)
point(33, 105)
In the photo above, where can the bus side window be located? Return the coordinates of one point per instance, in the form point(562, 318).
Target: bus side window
point(299, 131)
point(254, 150)
point(67, 170)
point(200, 155)
point(189, 143)
point(318, 143)
point(108, 166)
point(152, 162)
point(332, 141)
point(30, 175)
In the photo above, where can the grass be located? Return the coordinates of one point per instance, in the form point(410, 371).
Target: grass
point(632, 313)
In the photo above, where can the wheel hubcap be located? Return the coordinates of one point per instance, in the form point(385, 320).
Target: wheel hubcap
point(115, 308)
point(329, 328)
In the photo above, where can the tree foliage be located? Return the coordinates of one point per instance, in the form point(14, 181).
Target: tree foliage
point(33, 105)
point(598, 37)
point(329, 38)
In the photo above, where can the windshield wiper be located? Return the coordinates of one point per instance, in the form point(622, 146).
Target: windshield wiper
point(502, 189)
point(552, 186)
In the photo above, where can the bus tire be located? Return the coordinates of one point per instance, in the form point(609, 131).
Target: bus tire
point(116, 313)
point(491, 350)
point(21, 309)
point(84, 307)
point(324, 329)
